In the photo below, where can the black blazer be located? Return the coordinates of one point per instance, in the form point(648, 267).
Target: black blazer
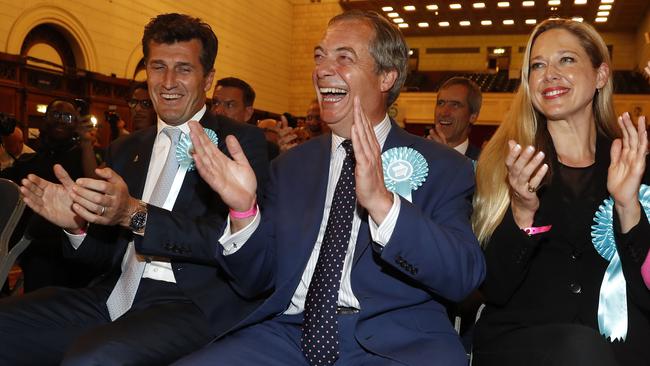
point(555, 277)
point(176, 234)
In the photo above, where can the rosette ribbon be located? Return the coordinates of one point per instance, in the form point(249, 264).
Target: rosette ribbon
point(405, 169)
point(612, 301)
point(184, 149)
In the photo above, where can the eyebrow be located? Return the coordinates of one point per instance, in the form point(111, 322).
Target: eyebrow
point(340, 49)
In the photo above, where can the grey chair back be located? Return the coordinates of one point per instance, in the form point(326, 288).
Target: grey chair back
point(11, 210)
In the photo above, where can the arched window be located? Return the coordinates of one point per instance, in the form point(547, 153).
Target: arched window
point(46, 45)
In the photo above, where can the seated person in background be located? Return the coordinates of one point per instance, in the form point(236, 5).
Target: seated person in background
point(558, 291)
point(358, 270)
point(234, 98)
point(161, 294)
point(458, 104)
point(42, 262)
point(142, 113)
point(313, 123)
point(12, 145)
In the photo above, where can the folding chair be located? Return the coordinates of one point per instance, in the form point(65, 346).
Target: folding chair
point(11, 210)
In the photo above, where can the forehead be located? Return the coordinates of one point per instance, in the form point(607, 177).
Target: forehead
point(556, 40)
point(455, 92)
point(187, 52)
point(354, 34)
point(63, 107)
point(228, 93)
point(140, 94)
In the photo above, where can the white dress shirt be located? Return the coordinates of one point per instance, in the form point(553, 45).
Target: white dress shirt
point(7, 161)
point(157, 270)
point(462, 147)
point(380, 233)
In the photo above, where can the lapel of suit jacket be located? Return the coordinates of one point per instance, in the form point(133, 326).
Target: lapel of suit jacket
point(186, 195)
point(316, 177)
point(137, 166)
point(397, 137)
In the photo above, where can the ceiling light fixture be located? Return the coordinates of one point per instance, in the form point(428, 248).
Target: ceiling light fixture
point(601, 20)
point(403, 25)
point(554, 2)
point(393, 15)
point(508, 22)
point(578, 19)
point(503, 4)
point(423, 25)
point(398, 20)
point(478, 5)
point(432, 7)
point(486, 22)
point(387, 8)
point(605, 7)
point(602, 13)
point(409, 8)
point(531, 21)
point(580, 2)
point(455, 6)
point(607, 1)
point(443, 24)
point(465, 23)
point(528, 3)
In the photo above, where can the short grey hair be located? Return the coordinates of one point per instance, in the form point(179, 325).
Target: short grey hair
point(388, 47)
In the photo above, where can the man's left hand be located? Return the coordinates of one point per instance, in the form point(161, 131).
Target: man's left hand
point(104, 201)
point(369, 175)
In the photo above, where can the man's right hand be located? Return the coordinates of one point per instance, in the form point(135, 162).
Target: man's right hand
point(436, 134)
point(53, 201)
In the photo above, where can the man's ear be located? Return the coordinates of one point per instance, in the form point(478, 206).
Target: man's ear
point(207, 81)
point(472, 118)
point(249, 113)
point(388, 80)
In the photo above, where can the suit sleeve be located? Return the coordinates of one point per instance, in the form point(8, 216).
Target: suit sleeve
point(196, 238)
point(433, 242)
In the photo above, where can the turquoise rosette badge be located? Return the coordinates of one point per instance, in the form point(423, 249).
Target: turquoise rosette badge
point(184, 149)
point(405, 169)
point(612, 301)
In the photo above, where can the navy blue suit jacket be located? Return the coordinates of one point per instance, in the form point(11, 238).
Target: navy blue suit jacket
point(432, 253)
point(179, 234)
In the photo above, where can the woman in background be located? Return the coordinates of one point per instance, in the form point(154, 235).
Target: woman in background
point(559, 154)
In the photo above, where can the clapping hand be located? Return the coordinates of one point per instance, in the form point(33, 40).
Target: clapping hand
point(369, 175)
point(233, 179)
point(628, 160)
point(53, 201)
point(525, 174)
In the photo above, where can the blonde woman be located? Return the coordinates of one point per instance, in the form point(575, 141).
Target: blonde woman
point(554, 294)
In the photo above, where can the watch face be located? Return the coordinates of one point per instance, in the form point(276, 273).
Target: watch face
point(138, 220)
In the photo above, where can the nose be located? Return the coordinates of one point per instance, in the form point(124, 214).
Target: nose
point(324, 68)
point(551, 72)
point(169, 79)
point(218, 109)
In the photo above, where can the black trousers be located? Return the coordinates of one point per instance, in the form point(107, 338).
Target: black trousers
point(547, 345)
point(55, 326)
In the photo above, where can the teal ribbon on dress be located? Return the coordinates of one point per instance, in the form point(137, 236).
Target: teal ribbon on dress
point(405, 169)
point(612, 301)
point(185, 147)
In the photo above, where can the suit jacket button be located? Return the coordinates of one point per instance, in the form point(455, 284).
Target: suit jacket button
point(575, 288)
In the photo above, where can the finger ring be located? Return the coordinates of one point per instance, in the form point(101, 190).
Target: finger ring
point(531, 189)
point(101, 213)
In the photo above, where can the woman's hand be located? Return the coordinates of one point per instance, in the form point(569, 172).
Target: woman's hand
point(524, 177)
point(626, 170)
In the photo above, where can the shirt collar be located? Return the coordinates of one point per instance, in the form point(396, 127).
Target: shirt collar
point(381, 131)
point(184, 127)
point(462, 148)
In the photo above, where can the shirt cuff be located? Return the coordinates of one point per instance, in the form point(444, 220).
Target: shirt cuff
point(75, 239)
point(381, 234)
point(230, 242)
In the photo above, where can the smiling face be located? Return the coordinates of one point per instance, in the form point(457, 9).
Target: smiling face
point(177, 82)
point(344, 70)
point(453, 114)
point(562, 80)
point(229, 101)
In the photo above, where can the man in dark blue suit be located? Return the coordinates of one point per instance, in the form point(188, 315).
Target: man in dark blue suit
point(458, 105)
point(358, 253)
point(162, 294)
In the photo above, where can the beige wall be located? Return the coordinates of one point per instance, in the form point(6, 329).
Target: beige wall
point(643, 42)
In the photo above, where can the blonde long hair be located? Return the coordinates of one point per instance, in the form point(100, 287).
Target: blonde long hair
point(527, 126)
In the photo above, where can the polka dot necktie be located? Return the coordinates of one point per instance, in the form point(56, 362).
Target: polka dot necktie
point(320, 343)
